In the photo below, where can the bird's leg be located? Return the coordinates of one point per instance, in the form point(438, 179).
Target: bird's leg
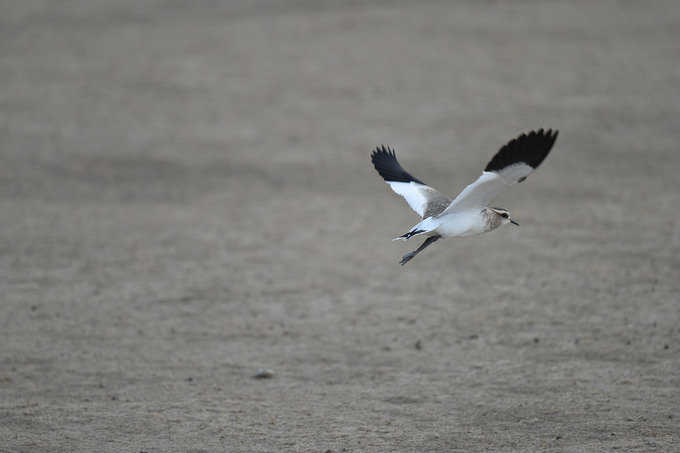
point(410, 256)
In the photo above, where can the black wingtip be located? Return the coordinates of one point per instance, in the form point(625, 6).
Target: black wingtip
point(386, 163)
point(531, 148)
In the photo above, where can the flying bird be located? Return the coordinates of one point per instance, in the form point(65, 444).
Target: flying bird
point(469, 213)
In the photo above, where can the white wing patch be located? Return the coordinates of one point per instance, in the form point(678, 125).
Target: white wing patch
point(515, 172)
point(412, 193)
point(423, 199)
point(488, 186)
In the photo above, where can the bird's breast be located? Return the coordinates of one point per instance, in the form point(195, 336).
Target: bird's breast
point(461, 224)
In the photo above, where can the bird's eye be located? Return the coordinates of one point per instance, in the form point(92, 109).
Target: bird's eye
point(504, 215)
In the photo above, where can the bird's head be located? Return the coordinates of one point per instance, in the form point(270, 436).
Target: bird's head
point(504, 216)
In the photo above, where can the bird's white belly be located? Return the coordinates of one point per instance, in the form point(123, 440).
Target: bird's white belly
point(461, 224)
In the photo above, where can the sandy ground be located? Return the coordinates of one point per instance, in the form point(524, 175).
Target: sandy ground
point(186, 196)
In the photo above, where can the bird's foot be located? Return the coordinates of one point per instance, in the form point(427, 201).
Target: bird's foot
point(406, 258)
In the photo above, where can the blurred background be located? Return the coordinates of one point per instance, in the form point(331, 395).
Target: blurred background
point(187, 195)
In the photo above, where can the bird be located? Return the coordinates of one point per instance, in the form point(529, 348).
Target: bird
point(469, 213)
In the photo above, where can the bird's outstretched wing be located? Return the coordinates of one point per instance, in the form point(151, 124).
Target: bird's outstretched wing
point(422, 198)
point(512, 164)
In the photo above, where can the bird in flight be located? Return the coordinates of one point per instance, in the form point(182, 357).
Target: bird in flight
point(468, 214)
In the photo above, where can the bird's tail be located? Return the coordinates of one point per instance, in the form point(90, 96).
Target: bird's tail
point(423, 227)
point(409, 235)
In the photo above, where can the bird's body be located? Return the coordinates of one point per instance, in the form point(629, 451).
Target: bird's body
point(468, 214)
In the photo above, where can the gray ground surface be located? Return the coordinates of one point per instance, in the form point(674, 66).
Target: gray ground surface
point(186, 196)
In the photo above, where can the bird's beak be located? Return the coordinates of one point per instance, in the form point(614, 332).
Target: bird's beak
point(513, 222)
